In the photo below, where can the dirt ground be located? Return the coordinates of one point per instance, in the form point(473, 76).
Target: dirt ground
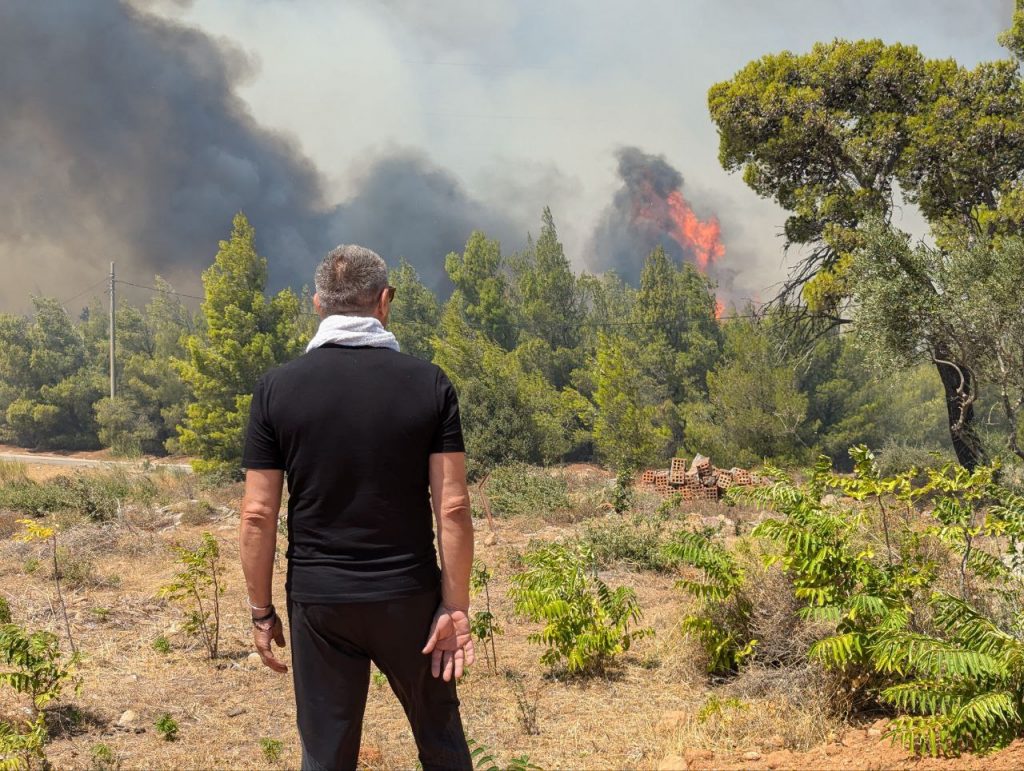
point(641, 715)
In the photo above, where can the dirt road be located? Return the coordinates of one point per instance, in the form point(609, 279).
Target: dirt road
point(77, 461)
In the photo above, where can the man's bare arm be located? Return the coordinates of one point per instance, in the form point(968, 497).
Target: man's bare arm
point(257, 539)
point(450, 496)
point(450, 644)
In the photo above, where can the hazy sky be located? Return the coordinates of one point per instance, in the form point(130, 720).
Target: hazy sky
point(525, 102)
point(400, 123)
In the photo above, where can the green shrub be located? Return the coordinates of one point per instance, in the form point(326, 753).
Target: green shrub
point(843, 583)
point(103, 757)
point(272, 749)
point(484, 624)
point(5, 611)
point(101, 495)
point(622, 492)
point(162, 645)
point(98, 495)
point(517, 488)
point(19, 747)
point(167, 727)
point(31, 498)
point(484, 759)
point(198, 585)
point(637, 542)
point(586, 624)
point(34, 665)
point(897, 457)
point(721, 620)
point(31, 665)
point(881, 577)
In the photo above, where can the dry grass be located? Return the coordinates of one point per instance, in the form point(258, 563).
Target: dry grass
point(656, 702)
point(605, 722)
point(12, 471)
point(731, 724)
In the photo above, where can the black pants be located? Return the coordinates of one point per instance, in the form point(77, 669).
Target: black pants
point(332, 647)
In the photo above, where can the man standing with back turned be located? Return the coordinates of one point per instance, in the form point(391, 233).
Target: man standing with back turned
point(362, 432)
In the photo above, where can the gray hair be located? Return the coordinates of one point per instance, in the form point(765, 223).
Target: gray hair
point(350, 279)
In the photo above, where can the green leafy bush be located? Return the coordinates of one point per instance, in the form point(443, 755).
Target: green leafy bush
point(517, 488)
point(198, 585)
point(484, 760)
point(586, 624)
point(899, 580)
point(167, 727)
point(637, 541)
point(32, 666)
point(897, 457)
point(622, 492)
point(103, 757)
point(97, 495)
point(484, 624)
point(721, 620)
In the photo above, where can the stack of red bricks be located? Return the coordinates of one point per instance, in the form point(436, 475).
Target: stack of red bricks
point(697, 480)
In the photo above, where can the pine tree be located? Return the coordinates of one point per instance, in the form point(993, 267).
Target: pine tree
point(630, 429)
point(151, 397)
point(674, 318)
point(414, 314)
point(479, 276)
point(549, 300)
point(244, 334)
point(754, 410)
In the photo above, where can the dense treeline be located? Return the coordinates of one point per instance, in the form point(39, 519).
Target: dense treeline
point(550, 366)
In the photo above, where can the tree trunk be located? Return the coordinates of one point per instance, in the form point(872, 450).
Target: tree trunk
point(958, 385)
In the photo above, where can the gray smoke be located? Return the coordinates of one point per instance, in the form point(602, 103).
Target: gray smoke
point(122, 137)
point(407, 206)
point(637, 219)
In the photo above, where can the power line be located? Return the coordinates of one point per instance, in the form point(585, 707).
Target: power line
point(87, 289)
point(161, 291)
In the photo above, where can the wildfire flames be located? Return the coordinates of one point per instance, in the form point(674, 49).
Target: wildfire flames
point(649, 210)
point(673, 216)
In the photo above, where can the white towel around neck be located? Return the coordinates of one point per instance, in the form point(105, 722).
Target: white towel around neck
point(353, 331)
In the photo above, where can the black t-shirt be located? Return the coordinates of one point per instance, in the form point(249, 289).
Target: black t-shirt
point(353, 429)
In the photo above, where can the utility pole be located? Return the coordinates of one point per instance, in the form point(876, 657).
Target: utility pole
point(113, 382)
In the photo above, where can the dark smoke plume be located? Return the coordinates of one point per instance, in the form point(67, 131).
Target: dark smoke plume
point(407, 206)
point(647, 211)
point(122, 137)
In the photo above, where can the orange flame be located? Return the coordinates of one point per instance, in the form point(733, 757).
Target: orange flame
point(702, 237)
point(673, 216)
